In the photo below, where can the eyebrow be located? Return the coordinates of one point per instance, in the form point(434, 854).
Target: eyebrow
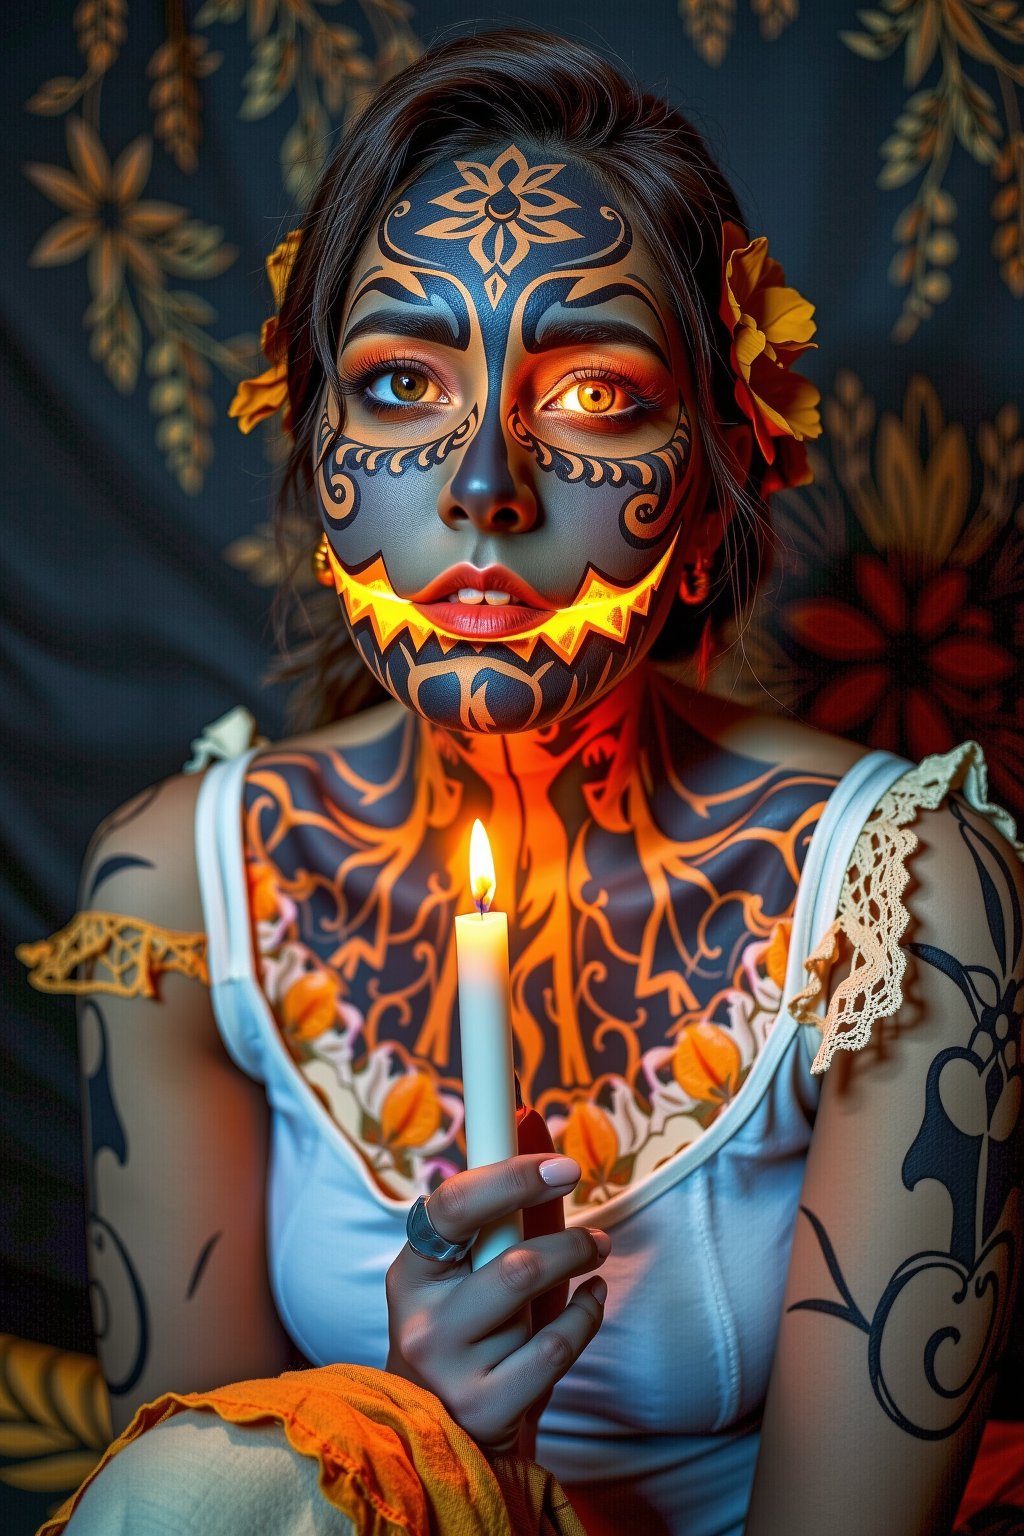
point(559, 333)
point(580, 333)
point(421, 327)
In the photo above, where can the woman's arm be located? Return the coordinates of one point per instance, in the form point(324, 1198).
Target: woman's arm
point(176, 1144)
point(908, 1241)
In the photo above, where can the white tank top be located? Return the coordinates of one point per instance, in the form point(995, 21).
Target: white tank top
point(669, 1395)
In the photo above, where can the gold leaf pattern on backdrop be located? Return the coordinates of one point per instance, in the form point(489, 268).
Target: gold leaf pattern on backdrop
point(100, 27)
point(774, 15)
point(268, 554)
point(955, 108)
point(54, 1416)
point(137, 322)
point(176, 68)
point(899, 585)
point(709, 23)
point(1008, 203)
point(297, 51)
point(131, 247)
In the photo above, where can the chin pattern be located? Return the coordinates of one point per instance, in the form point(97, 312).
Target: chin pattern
point(488, 688)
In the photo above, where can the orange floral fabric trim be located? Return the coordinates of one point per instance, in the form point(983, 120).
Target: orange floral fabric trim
point(771, 326)
point(124, 956)
point(256, 399)
point(391, 1458)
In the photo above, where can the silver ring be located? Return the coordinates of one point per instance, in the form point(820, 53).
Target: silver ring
point(425, 1239)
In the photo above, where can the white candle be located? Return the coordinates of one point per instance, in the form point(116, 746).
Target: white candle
point(485, 1022)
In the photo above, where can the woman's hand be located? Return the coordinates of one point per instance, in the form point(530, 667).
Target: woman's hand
point(464, 1334)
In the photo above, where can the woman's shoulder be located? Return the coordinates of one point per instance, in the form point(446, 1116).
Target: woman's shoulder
point(362, 729)
point(141, 858)
point(781, 740)
point(154, 828)
point(139, 911)
point(939, 797)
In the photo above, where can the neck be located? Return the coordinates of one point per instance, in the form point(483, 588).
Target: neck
point(595, 742)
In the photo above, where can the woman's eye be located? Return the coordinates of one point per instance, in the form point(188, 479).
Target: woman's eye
point(404, 386)
point(594, 397)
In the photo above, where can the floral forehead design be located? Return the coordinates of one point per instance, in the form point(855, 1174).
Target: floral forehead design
point(502, 214)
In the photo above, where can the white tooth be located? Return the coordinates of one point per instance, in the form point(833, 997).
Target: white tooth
point(470, 595)
point(497, 599)
point(452, 597)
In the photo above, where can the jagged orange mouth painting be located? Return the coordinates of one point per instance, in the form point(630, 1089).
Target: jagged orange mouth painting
point(600, 608)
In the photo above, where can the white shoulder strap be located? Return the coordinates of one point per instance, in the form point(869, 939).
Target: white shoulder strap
point(220, 861)
point(221, 866)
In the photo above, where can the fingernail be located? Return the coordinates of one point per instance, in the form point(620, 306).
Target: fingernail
point(602, 1240)
point(599, 1290)
point(560, 1170)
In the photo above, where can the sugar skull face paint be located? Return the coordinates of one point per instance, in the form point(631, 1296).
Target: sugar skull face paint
point(513, 487)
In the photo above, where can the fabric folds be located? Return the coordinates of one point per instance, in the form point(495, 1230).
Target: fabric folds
point(391, 1458)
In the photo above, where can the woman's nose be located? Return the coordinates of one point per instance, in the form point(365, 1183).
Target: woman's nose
point(483, 491)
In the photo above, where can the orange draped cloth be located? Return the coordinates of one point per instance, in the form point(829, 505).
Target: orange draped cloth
point(391, 1458)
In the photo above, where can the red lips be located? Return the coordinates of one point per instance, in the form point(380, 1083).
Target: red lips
point(481, 621)
point(494, 578)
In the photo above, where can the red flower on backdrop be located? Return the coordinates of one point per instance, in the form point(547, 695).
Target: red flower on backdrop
point(897, 613)
point(918, 656)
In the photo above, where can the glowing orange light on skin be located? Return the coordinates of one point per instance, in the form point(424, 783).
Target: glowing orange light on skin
point(481, 867)
point(598, 608)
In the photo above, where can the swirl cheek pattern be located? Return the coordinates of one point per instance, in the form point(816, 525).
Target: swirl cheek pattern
point(339, 497)
point(646, 516)
point(345, 465)
point(659, 476)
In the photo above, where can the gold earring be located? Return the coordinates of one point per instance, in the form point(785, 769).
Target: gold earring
point(321, 564)
point(695, 583)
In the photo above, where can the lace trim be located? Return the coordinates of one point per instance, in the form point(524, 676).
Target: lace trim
point(872, 918)
point(122, 955)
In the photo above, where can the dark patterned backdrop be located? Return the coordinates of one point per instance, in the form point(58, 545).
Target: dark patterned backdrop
point(155, 153)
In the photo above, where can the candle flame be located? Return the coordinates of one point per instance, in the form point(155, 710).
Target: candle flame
point(481, 867)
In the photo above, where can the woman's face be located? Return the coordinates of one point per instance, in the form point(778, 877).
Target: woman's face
point(518, 478)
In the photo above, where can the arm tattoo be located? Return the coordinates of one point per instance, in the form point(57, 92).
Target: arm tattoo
point(940, 1323)
point(111, 867)
point(122, 817)
point(114, 1287)
point(201, 1262)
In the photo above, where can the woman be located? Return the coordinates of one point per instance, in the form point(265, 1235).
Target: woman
point(540, 382)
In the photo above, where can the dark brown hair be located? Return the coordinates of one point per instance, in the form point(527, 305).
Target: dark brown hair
point(527, 84)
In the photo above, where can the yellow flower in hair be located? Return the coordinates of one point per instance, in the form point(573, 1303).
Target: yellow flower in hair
point(771, 326)
point(280, 262)
point(256, 399)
